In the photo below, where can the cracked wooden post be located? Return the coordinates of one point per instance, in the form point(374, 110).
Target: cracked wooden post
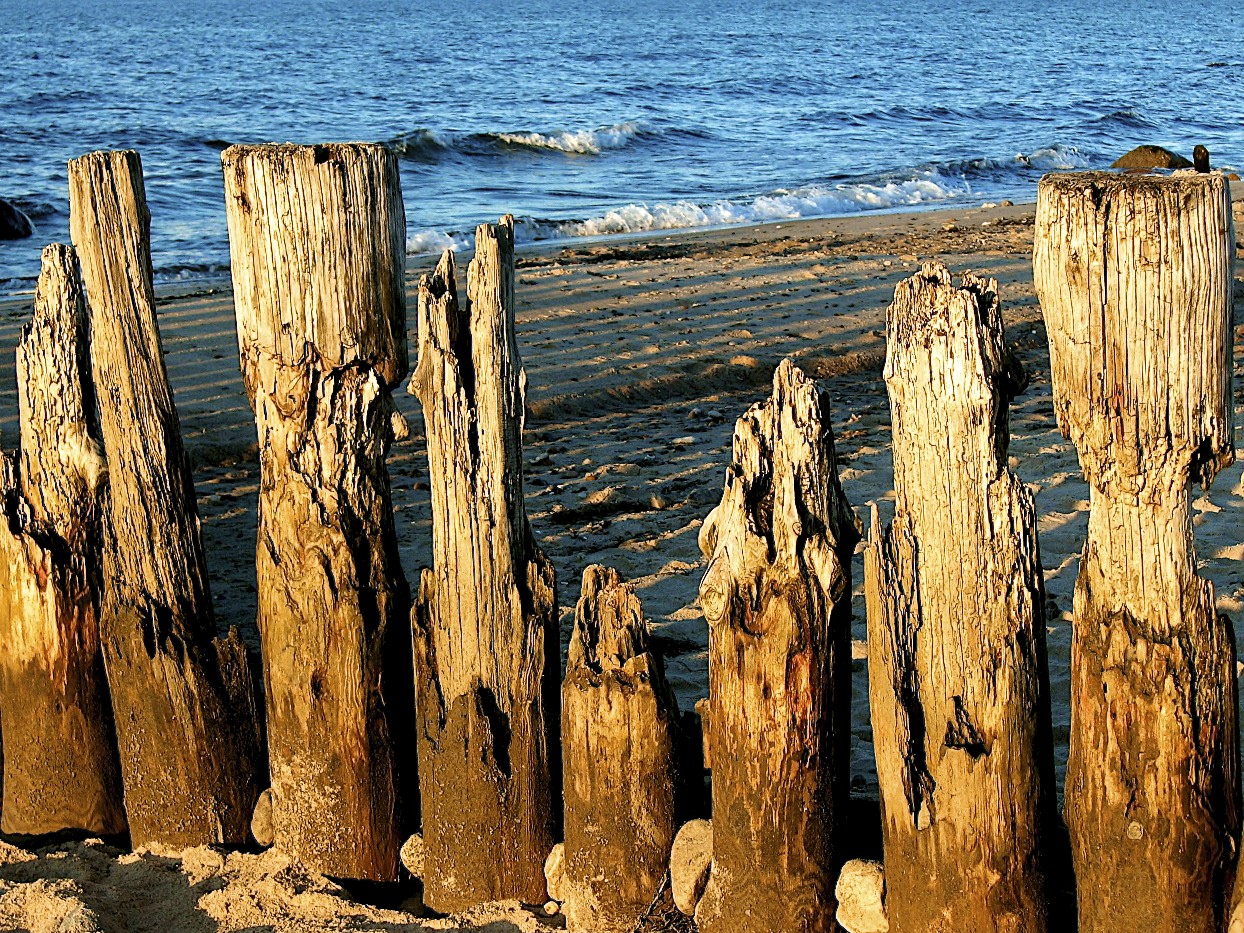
point(183, 699)
point(487, 657)
point(619, 722)
point(958, 685)
point(777, 596)
point(1134, 275)
point(321, 352)
point(60, 758)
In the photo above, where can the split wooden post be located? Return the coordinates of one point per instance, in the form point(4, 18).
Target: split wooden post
point(777, 596)
point(321, 351)
point(60, 757)
point(958, 680)
point(183, 699)
point(1134, 275)
point(619, 722)
point(487, 657)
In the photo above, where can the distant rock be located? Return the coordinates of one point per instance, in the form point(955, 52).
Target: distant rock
point(14, 225)
point(861, 897)
point(691, 859)
point(1143, 158)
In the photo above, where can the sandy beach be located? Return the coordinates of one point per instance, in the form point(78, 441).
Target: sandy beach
point(640, 354)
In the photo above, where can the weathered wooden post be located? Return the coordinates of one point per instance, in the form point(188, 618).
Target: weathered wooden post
point(619, 722)
point(777, 596)
point(1134, 275)
point(60, 758)
point(958, 682)
point(317, 245)
point(183, 699)
point(486, 646)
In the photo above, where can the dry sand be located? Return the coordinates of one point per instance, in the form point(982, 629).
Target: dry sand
point(639, 356)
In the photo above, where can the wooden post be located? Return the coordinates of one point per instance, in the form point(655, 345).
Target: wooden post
point(60, 758)
point(182, 698)
point(619, 722)
point(486, 646)
point(958, 684)
point(321, 352)
point(777, 596)
point(1134, 275)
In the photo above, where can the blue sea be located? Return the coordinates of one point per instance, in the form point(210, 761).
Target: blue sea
point(595, 117)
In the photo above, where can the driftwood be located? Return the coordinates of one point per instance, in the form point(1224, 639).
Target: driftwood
point(320, 353)
point(183, 699)
point(619, 722)
point(777, 596)
point(486, 642)
point(1134, 275)
point(60, 759)
point(958, 683)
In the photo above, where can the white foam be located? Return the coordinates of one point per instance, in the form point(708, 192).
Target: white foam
point(814, 201)
point(1053, 158)
point(581, 142)
point(435, 241)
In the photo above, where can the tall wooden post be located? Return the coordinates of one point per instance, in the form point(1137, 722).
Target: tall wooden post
point(1134, 274)
point(60, 758)
point(777, 596)
point(486, 647)
point(958, 681)
point(183, 699)
point(619, 722)
point(321, 350)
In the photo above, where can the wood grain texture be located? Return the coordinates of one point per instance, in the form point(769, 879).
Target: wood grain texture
point(959, 684)
point(183, 702)
point(1134, 275)
point(60, 759)
point(317, 238)
point(486, 646)
point(777, 597)
point(619, 750)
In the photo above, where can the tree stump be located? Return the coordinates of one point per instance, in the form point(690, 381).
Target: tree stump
point(183, 699)
point(1134, 275)
point(60, 758)
point(958, 685)
point(321, 353)
point(777, 596)
point(486, 642)
point(619, 723)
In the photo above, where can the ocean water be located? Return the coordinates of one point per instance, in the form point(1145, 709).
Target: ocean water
point(596, 117)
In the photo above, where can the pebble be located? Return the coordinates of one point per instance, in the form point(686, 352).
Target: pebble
point(861, 897)
point(261, 819)
point(555, 871)
point(691, 858)
point(412, 855)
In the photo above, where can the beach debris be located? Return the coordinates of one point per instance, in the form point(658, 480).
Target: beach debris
point(261, 820)
point(691, 859)
point(1140, 350)
point(61, 770)
point(14, 224)
point(487, 656)
point(320, 355)
point(620, 741)
point(956, 627)
point(776, 595)
point(861, 897)
point(1145, 158)
point(184, 702)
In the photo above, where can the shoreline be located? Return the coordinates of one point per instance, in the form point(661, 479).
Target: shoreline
point(640, 355)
